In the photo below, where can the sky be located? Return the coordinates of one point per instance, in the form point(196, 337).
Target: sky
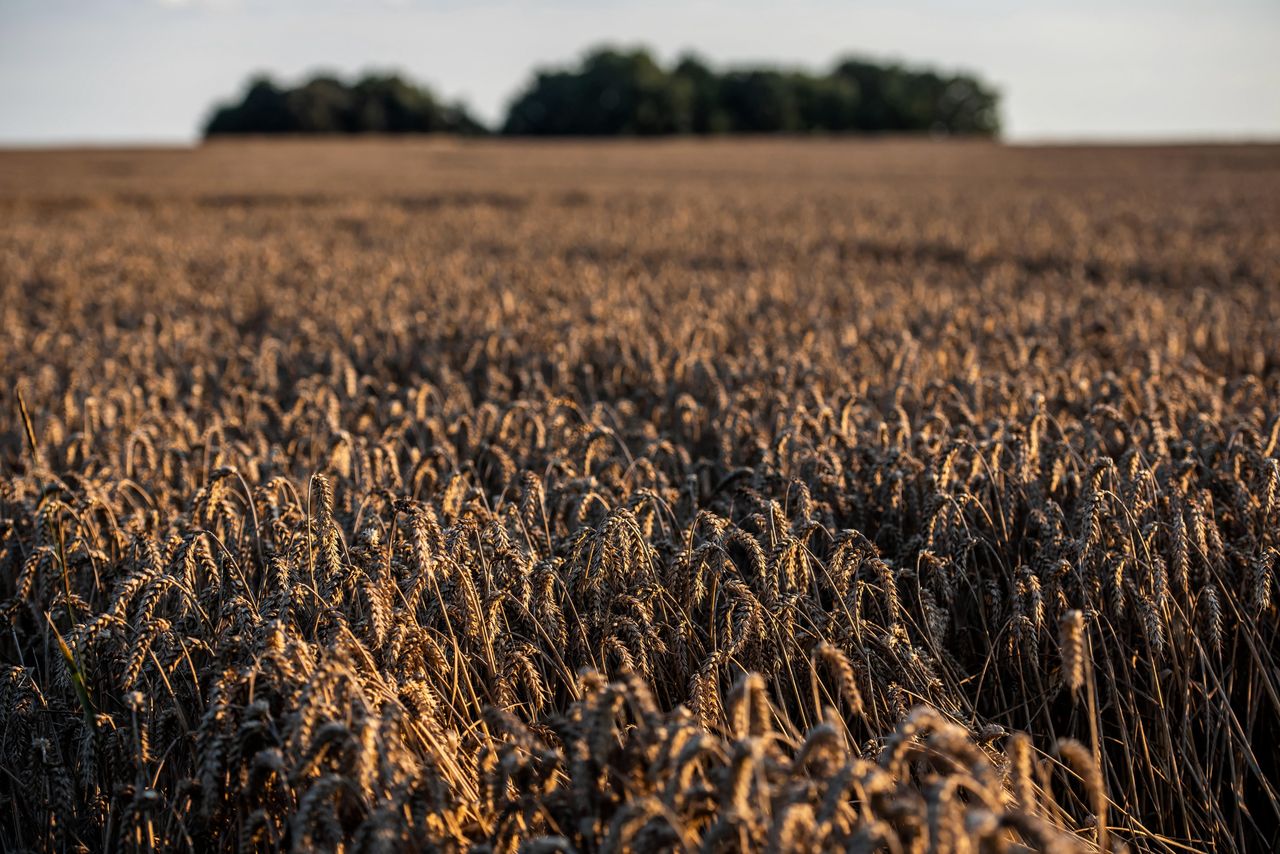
point(148, 71)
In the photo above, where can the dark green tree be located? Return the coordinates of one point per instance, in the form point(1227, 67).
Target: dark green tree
point(614, 92)
point(617, 92)
point(377, 103)
point(827, 104)
point(893, 98)
point(701, 86)
point(264, 109)
point(760, 101)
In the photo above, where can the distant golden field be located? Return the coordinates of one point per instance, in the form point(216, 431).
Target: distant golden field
point(703, 495)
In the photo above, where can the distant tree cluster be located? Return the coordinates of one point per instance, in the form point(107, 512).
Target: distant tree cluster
point(325, 105)
point(627, 93)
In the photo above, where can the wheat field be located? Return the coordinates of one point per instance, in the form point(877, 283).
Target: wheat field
point(736, 495)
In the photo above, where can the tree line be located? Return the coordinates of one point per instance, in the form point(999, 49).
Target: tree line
point(325, 104)
point(614, 92)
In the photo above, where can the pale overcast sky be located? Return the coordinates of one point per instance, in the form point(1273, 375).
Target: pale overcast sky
point(148, 70)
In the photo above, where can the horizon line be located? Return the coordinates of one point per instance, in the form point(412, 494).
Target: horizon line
point(1037, 140)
